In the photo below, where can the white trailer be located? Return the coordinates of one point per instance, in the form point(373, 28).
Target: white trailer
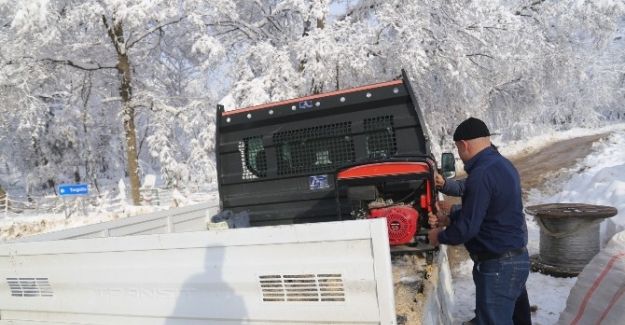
point(166, 268)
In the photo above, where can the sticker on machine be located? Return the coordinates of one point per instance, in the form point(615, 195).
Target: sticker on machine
point(318, 182)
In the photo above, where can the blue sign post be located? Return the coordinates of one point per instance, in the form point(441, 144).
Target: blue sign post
point(73, 189)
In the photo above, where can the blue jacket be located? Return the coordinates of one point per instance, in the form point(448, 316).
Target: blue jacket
point(491, 218)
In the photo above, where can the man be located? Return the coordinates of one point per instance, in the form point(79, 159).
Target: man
point(522, 313)
point(490, 223)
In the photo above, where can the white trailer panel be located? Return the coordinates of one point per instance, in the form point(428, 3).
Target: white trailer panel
point(323, 273)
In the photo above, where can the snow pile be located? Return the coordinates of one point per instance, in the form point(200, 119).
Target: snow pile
point(530, 145)
point(464, 292)
point(597, 179)
point(548, 294)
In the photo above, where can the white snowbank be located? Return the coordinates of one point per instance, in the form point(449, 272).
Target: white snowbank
point(549, 295)
point(464, 292)
point(597, 179)
point(533, 144)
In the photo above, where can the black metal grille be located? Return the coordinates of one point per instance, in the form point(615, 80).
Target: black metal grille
point(381, 142)
point(315, 149)
point(253, 158)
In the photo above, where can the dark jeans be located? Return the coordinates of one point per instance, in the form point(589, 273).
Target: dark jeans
point(498, 285)
point(522, 313)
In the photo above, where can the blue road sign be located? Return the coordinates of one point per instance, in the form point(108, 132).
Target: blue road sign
point(73, 189)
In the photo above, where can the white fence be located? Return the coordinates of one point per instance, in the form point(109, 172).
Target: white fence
point(15, 206)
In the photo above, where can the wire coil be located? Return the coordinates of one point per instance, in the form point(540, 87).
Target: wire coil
point(569, 243)
point(569, 236)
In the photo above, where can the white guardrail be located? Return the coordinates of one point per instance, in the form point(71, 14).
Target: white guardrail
point(15, 206)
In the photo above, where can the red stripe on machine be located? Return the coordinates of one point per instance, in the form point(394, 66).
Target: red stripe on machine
point(384, 169)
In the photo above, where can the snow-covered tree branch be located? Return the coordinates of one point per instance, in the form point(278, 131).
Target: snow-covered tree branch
point(98, 90)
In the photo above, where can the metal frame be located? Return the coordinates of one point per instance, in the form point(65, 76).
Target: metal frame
point(285, 198)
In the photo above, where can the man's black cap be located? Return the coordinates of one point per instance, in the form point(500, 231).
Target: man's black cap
point(471, 128)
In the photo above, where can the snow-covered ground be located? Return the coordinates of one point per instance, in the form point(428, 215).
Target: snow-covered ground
point(597, 179)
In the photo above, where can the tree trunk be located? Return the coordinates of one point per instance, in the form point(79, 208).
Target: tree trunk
point(116, 33)
point(131, 150)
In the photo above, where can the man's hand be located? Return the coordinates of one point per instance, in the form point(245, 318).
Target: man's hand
point(438, 220)
point(433, 236)
point(439, 180)
point(444, 207)
point(441, 218)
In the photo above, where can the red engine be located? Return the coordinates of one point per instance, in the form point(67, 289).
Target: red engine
point(402, 221)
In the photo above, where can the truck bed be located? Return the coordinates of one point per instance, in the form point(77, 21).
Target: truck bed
point(164, 268)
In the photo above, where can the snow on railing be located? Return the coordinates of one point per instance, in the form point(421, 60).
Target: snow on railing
point(16, 206)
